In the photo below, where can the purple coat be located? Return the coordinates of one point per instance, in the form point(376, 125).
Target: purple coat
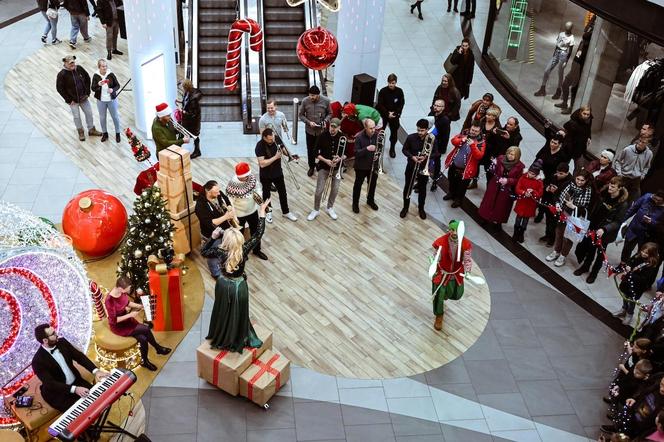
point(497, 203)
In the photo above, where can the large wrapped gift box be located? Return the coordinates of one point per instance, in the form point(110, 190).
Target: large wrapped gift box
point(222, 368)
point(166, 287)
point(264, 377)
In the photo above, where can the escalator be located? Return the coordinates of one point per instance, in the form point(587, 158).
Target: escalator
point(286, 77)
point(215, 18)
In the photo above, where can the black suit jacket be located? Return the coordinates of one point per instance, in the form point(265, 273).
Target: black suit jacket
point(54, 389)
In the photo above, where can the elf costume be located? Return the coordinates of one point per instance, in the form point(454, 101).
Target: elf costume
point(447, 282)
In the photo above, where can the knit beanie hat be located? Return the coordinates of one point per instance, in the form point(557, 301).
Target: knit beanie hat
point(242, 170)
point(536, 167)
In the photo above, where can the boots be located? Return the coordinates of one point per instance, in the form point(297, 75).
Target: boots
point(104, 137)
point(109, 56)
point(81, 134)
point(518, 234)
point(557, 94)
point(438, 323)
point(581, 270)
point(149, 365)
point(393, 153)
point(562, 105)
point(93, 132)
point(196, 153)
point(541, 92)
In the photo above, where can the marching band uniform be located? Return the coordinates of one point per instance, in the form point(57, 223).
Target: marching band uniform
point(327, 148)
point(241, 194)
point(413, 147)
point(448, 281)
point(364, 162)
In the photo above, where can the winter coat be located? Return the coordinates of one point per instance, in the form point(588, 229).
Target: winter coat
point(497, 201)
point(612, 220)
point(105, 12)
point(43, 5)
point(580, 197)
point(577, 134)
point(452, 103)
point(491, 142)
point(77, 7)
point(112, 84)
point(638, 279)
point(463, 74)
point(550, 161)
point(638, 228)
point(66, 85)
point(470, 116)
point(604, 176)
point(191, 117)
point(502, 144)
point(476, 154)
point(526, 207)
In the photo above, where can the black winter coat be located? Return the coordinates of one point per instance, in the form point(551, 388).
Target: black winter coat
point(612, 216)
point(105, 12)
point(463, 74)
point(67, 88)
point(577, 134)
point(112, 83)
point(43, 5)
point(77, 7)
point(191, 105)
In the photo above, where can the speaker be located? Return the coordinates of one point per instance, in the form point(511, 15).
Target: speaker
point(364, 89)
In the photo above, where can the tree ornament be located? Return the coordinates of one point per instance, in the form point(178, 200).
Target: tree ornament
point(148, 248)
point(148, 220)
point(138, 253)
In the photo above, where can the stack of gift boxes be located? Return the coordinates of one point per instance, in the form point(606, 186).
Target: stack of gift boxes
point(175, 182)
point(256, 373)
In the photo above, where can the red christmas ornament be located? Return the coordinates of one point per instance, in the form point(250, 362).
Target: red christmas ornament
point(317, 48)
point(96, 221)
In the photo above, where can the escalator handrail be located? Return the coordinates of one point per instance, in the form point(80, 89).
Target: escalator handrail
point(191, 54)
point(310, 22)
point(262, 63)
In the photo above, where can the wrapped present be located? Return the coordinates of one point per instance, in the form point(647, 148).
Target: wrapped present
point(222, 368)
point(166, 286)
point(175, 160)
point(264, 377)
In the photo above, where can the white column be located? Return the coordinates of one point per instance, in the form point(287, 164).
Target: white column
point(151, 40)
point(359, 33)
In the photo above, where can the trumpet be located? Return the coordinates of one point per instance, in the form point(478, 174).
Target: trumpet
point(426, 151)
point(184, 132)
point(284, 151)
point(378, 155)
point(341, 149)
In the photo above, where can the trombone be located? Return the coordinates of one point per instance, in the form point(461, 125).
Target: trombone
point(184, 132)
point(378, 155)
point(284, 151)
point(427, 149)
point(233, 221)
point(284, 126)
point(341, 150)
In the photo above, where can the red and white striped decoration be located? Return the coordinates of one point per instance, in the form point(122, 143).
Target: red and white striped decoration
point(232, 69)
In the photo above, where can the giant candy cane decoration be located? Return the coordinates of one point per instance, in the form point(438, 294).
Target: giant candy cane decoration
point(232, 70)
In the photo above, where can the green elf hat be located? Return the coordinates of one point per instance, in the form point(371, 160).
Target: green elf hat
point(453, 225)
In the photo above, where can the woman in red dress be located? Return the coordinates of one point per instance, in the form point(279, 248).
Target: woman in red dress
point(122, 320)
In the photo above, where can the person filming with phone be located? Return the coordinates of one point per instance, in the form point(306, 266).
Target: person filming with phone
point(648, 212)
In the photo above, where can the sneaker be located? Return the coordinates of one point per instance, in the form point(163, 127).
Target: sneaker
point(332, 213)
point(291, 216)
point(43, 39)
point(56, 41)
point(312, 216)
point(268, 217)
point(620, 313)
point(72, 45)
point(560, 261)
point(552, 256)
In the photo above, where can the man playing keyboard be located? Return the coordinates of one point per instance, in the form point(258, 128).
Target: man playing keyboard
point(62, 384)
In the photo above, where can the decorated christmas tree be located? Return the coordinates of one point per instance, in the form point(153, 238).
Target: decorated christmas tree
point(150, 229)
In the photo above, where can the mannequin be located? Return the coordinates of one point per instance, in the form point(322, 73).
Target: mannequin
point(562, 52)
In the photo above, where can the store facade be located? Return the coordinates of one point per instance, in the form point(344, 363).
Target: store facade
point(555, 55)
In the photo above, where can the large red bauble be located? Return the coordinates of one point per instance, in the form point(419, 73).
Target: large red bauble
point(317, 48)
point(96, 221)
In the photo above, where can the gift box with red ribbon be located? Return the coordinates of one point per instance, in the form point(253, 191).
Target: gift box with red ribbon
point(264, 377)
point(166, 288)
point(222, 368)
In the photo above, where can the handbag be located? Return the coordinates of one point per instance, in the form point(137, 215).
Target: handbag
point(52, 13)
point(576, 227)
point(448, 65)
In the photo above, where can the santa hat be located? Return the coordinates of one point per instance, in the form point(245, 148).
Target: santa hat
point(242, 170)
point(350, 109)
point(163, 109)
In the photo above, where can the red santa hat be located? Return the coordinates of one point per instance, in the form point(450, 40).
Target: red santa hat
point(163, 109)
point(242, 170)
point(350, 109)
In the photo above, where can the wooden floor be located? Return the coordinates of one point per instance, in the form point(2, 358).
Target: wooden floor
point(348, 297)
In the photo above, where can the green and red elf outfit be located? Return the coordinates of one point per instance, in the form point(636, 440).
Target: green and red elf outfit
point(448, 280)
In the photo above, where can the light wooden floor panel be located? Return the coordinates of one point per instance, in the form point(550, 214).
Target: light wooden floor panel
point(347, 297)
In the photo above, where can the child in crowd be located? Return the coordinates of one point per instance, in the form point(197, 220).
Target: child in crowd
point(529, 190)
point(640, 270)
point(627, 384)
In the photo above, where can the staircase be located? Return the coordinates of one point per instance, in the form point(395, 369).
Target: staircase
point(286, 77)
point(215, 18)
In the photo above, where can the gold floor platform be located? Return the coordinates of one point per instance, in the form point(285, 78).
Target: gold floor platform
point(347, 297)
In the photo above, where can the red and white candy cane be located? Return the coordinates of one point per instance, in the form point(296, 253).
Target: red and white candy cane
point(232, 70)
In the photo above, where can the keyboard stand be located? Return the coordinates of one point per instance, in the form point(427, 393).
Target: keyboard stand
point(101, 425)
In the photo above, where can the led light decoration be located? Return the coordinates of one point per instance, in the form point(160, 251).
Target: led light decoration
point(41, 281)
point(331, 5)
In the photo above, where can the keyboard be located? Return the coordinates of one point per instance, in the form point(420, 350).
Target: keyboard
point(72, 423)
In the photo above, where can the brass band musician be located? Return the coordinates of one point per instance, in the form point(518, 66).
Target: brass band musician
point(163, 130)
point(269, 160)
point(330, 155)
point(366, 164)
point(417, 168)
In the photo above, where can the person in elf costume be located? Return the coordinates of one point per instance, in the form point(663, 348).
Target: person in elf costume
point(452, 262)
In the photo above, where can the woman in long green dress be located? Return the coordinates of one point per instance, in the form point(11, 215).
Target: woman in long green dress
point(230, 328)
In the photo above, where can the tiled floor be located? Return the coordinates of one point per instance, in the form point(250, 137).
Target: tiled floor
point(537, 372)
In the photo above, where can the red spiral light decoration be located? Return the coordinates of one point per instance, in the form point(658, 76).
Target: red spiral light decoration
point(232, 69)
